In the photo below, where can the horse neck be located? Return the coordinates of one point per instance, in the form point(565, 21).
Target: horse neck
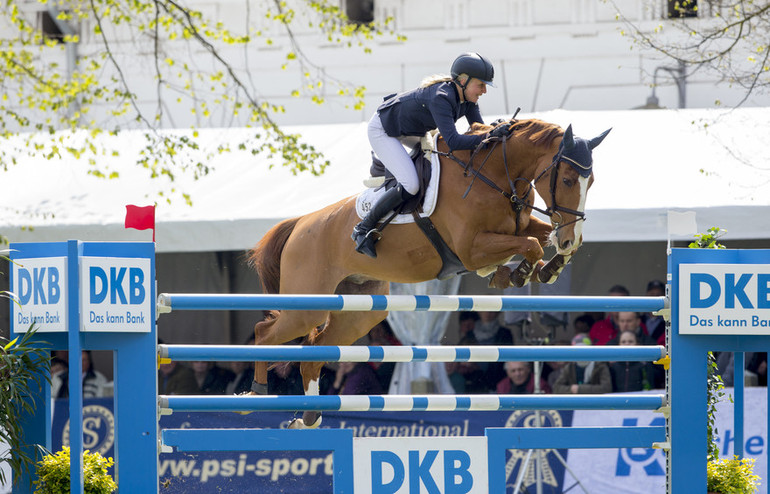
point(524, 159)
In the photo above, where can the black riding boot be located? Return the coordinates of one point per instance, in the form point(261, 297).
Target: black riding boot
point(365, 233)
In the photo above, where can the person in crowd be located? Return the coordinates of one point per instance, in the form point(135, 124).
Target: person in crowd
point(210, 378)
point(755, 368)
point(355, 378)
point(467, 321)
point(489, 331)
point(630, 321)
point(175, 378)
point(382, 335)
point(758, 365)
point(59, 366)
point(520, 379)
point(94, 382)
point(554, 367)
point(456, 377)
point(583, 377)
point(285, 379)
point(656, 325)
point(631, 376)
point(403, 118)
point(606, 329)
point(243, 373)
point(582, 324)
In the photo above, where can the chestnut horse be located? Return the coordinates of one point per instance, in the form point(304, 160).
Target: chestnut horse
point(313, 254)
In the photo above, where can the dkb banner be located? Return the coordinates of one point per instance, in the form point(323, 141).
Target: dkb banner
point(309, 472)
point(604, 471)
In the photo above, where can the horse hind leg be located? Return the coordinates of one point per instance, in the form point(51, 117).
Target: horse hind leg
point(278, 328)
point(341, 329)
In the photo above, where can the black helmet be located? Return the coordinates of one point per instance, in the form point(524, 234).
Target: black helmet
point(474, 65)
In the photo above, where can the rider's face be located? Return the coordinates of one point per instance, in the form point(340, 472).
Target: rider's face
point(474, 90)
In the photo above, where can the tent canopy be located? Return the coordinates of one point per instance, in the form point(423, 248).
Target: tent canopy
point(713, 162)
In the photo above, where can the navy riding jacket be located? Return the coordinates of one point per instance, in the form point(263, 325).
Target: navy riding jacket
point(415, 112)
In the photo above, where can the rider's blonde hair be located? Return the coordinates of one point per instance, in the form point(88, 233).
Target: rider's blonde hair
point(435, 79)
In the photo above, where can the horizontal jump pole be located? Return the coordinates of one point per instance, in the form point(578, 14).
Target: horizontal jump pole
point(304, 353)
point(168, 302)
point(406, 403)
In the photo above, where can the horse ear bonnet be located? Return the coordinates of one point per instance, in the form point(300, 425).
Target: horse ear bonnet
point(578, 150)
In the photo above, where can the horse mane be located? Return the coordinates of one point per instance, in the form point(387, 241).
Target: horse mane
point(265, 257)
point(540, 133)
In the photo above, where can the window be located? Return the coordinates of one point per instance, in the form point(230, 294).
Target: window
point(359, 11)
point(678, 9)
point(49, 27)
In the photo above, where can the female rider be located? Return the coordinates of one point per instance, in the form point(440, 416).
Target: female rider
point(403, 118)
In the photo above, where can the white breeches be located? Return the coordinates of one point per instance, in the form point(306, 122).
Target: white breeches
point(391, 152)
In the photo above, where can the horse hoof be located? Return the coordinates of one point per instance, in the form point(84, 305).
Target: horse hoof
point(246, 412)
point(501, 279)
point(300, 423)
point(522, 274)
point(551, 271)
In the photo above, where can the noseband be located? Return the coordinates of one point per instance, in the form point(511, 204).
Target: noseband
point(518, 204)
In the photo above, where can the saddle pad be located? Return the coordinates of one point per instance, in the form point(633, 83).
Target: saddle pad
point(367, 198)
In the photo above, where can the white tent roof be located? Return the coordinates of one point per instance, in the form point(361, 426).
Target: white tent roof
point(709, 161)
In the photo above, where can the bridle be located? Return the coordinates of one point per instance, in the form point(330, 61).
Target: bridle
point(518, 204)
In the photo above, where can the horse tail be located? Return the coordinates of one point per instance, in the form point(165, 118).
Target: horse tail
point(265, 257)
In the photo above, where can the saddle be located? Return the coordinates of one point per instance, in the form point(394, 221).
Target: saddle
point(381, 177)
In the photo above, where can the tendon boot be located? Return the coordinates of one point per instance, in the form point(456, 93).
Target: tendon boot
point(365, 233)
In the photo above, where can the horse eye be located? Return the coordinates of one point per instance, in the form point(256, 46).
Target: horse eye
point(568, 182)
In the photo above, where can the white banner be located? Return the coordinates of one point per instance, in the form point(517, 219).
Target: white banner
point(643, 471)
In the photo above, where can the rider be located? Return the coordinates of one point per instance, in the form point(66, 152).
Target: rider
point(438, 103)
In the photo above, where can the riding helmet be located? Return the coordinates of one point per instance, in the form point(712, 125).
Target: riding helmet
point(474, 65)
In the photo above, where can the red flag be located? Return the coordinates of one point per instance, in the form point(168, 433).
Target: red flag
point(141, 218)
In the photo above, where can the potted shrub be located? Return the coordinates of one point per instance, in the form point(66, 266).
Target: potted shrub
point(731, 476)
point(53, 474)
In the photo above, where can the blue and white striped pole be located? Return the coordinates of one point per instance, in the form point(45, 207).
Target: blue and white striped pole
point(399, 403)
point(299, 353)
point(181, 301)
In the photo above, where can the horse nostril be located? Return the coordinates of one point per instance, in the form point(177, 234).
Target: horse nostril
point(566, 244)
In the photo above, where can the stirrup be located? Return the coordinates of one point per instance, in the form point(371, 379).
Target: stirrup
point(365, 243)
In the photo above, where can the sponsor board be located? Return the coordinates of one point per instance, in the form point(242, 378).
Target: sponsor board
point(724, 299)
point(39, 285)
point(420, 464)
point(116, 294)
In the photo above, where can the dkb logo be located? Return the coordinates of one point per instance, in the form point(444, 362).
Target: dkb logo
point(651, 460)
point(112, 282)
point(38, 285)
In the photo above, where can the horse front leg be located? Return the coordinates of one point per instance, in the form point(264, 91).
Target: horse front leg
point(550, 271)
point(489, 248)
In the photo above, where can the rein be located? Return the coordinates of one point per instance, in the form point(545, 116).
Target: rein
point(518, 204)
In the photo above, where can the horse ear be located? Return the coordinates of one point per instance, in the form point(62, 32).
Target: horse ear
point(598, 139)
point(568, 141)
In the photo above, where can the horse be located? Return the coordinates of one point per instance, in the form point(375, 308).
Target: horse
point(483, 213)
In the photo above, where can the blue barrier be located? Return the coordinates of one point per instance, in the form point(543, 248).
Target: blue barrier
point(400, 403)
point(178, 301)
point(299, 353)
